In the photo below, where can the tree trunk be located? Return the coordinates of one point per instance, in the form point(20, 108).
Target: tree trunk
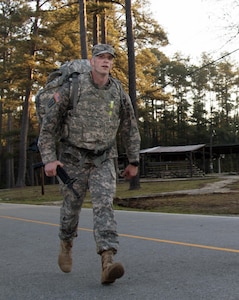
point(134, 183)
point(83, 39)
point(103, 28)
point(96, 25)
point(10, 180)
point(23, 139)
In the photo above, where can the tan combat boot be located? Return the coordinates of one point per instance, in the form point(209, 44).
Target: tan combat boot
point(64, 258)
point(110, 270)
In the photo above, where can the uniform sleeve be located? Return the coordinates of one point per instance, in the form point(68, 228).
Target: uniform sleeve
point(52, 123)
point(129, 130)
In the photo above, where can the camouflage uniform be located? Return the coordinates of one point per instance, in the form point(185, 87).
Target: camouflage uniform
point(87, 150)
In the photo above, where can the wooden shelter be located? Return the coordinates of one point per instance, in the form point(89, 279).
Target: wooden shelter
point(173, 161)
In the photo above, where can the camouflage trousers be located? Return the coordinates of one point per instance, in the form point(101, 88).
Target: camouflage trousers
point(101, 182)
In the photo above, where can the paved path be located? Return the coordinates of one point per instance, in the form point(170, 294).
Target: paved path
point(166, 256)
point(214, 187)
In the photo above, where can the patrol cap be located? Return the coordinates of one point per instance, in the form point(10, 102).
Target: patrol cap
point(101, 49)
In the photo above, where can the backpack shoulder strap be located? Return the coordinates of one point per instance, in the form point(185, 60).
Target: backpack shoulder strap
point(121, 90)
point(74, 90)
point(76, 69)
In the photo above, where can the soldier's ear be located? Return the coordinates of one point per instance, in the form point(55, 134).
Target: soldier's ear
point(92, 62)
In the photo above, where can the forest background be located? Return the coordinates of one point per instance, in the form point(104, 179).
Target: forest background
point(178, 102)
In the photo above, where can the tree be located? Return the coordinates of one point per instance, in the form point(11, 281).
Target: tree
point(15, 18)
point(83, 22)
point(134, 183)
point(27, 88)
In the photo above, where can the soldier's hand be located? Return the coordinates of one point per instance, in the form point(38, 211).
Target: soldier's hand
point(50, 168)
point(130, 171)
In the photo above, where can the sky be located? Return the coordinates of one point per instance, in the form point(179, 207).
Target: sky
point(197, 26)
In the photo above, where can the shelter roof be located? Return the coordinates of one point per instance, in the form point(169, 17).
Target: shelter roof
point(172, 149)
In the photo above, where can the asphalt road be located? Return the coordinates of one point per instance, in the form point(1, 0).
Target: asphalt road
point(166, 256)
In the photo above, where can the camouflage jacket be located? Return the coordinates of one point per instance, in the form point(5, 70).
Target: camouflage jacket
point(94, 121)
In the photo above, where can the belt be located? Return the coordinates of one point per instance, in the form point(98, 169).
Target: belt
point(92, 152)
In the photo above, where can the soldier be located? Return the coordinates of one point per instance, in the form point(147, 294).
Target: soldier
point(87, 152)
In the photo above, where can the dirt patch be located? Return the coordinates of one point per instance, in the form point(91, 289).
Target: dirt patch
point(216, 203)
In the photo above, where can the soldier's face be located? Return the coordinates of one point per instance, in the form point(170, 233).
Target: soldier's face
point(102, 63)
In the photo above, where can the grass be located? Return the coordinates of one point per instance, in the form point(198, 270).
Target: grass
point(33, 194)
point(147, 198)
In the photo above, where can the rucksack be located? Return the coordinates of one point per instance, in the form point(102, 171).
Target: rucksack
point(69, 71)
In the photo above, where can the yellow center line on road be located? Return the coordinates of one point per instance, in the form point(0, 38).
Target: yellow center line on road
point(180, 243)
point(27, 220)
point(135, 236)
